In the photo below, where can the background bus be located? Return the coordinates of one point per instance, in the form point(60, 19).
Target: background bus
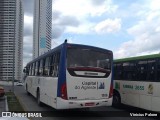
point(137, 82)
point(71, 76)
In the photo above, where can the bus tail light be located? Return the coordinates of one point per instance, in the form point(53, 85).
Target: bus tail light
point(64, 91)
point(111, 91)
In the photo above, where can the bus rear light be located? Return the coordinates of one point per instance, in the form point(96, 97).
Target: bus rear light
point(64, 91)
point(111, 91)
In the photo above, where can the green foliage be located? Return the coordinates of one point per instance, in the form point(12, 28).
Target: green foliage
point(13, 103)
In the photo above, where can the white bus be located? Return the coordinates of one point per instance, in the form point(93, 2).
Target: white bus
point(137, 82)
point(71, 76)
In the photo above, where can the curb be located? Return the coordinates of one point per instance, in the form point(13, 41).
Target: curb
point(6, 103)
point(23, 106)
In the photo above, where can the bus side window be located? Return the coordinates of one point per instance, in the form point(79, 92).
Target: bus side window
point(46, 65)
point(37, 68)
point(30, 70)
point(114, 73)
point(27, 70)
point(54, 62)
point(55, 70)
point(33, 69)
point(41, 67)
point(125, 70)
point(51, 65)
point(119, 71)
point(57, 63)
point(151, 75)
point(158, 71)
point(133, 68)
point(142, 70)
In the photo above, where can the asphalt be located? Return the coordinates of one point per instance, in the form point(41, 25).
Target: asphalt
point(2, 105)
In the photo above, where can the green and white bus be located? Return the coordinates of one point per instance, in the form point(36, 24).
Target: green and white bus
point(137, 82)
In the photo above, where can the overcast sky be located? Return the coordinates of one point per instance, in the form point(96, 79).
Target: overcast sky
point(127, 27)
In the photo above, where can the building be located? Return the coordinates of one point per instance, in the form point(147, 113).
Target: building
point(11, 39)
point(42, 26)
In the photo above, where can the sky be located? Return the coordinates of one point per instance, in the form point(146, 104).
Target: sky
point(127, 27)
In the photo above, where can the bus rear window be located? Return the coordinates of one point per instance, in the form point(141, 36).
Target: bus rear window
point(81, 59)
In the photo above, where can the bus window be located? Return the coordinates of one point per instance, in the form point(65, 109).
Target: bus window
point(30, 69)
point(51, 65)
point(126, 70)
point(151, 70)
point(142, 70)
point(54, 63)
point(158, 71)
point(118, 71)
point(27, 71)
point(115, 72)
point(33, 69)
point(133, 70)
point(36, 63)
point(88, 60)
point(41, 67)
point(102, 64)
point(37, 68)
point(46, 66)
point(57, 60)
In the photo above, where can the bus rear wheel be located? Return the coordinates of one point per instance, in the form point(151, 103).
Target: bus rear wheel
point(27, 89)
point(38, 98)
point(116, 100)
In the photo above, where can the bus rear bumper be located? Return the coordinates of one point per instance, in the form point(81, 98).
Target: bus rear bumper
point(71, 104)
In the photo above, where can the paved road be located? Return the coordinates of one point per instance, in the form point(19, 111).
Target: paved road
point(29, 104)
point(2, 105)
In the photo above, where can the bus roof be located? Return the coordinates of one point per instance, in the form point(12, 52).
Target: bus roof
point(68, 44)
point(138, 58)
point(88, 46)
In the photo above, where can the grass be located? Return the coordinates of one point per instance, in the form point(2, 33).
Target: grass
point(13, 103)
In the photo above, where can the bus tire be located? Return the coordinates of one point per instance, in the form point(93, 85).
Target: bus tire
point(38, 98)
point(116, 100)
point(27, 90)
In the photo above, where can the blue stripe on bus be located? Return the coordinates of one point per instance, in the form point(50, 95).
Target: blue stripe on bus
point(62, 70)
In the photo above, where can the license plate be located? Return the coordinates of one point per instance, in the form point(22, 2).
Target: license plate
point(89, 104)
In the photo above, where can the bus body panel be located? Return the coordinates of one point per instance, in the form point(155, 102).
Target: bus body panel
point(82, 88)
point(156, 96)
point(30, 86)
point(155, 103)
point(140, 94)
point(47, 88)
point(70, 104)
point(145, 102)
